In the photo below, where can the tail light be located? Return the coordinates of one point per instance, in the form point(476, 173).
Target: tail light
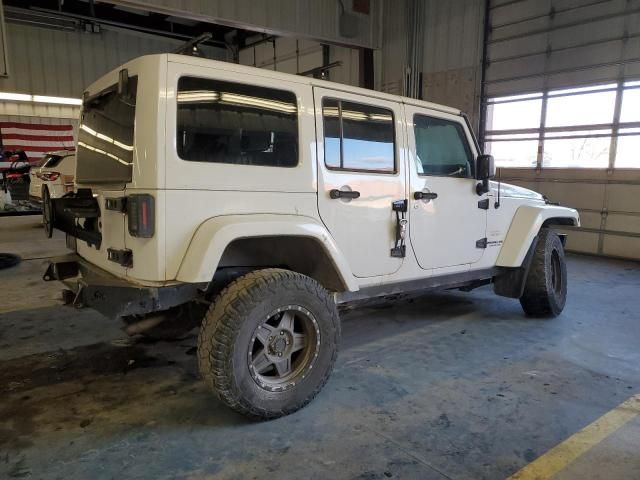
point(67, 180)
point(48, 176)
point(141, 214)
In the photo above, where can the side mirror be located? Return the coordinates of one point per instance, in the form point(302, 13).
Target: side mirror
point(485, 169)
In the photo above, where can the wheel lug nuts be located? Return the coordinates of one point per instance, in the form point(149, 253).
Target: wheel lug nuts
point(270, 338)
point(279, 354)
point(281, 332)
point(287, 342)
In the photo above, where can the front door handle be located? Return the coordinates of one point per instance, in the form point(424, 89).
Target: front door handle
point(335, 193)
point(425, 196)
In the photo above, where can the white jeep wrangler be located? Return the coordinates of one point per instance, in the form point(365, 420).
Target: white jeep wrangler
point(265, 200)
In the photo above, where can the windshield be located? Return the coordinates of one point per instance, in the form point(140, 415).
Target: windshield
point(105, 137)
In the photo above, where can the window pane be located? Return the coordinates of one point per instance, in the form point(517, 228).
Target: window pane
point(368, 138)
point(577, 153)
point(331, 133)
point(630, 106)
point(442, 147)
point(224, 122)
point(522, 153)
point(105, 137)
point(628, 152)
point(585, 109)
point(512, 115)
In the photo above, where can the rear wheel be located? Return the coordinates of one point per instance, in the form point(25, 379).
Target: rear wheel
point(545, 291)
point(268, 342)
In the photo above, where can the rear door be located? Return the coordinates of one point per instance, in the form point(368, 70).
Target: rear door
point(105, 158)
point(360, 174)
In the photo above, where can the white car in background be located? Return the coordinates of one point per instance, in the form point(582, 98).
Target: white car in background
point(53, 176)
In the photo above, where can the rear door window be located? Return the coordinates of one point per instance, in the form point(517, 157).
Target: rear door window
point(358, 137)
point(225, 122)
point(105, 136)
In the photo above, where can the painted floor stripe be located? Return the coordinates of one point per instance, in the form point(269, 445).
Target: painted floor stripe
point(560, 456)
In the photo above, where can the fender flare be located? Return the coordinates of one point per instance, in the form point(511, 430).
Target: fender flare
point(525, 225)
point(214, 235)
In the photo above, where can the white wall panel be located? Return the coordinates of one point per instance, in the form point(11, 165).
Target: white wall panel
point(61, 63)
point(315, 19)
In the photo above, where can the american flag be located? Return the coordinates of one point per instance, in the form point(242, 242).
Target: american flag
point(35, 139)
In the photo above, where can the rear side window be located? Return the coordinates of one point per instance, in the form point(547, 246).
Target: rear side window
point(358, 136)
point(225, 122)
point(442, 148)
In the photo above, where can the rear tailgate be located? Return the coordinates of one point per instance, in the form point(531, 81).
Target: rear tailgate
point(112, 225)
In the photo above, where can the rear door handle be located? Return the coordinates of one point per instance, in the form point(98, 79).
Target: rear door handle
point(335, 193)
point(425, 195)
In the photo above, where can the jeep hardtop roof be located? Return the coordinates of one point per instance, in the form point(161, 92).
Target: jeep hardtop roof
point(205, 62)
point(261, 72)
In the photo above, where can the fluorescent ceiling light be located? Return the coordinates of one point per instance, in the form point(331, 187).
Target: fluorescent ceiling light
point(59, 100)
point(25, 97)
point(19, 97)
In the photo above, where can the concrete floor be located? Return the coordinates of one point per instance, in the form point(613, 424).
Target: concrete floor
point(452, 385)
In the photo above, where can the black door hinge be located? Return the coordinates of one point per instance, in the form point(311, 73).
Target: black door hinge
point(482, 243)
point(122, 257)
point(484, 204)
point(118, 204)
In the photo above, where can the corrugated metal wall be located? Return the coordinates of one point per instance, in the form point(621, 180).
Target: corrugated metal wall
point(391, 61)
point(452, 37)
point(311, 19)
point(452, 62)
point(59, 63)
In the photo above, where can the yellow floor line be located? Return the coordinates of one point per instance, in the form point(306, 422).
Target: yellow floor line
point(560, 456)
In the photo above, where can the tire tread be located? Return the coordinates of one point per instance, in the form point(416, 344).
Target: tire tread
point(223, 320)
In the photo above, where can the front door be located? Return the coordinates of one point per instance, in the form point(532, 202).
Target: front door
point(446, 224)
point(360, 175)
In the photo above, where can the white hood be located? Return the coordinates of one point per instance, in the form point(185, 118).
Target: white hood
point(513, 191)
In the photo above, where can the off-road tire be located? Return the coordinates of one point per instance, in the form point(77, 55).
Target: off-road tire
point(226, 334)
point(545, 291)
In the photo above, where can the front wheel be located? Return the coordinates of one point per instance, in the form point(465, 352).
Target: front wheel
point(268, 342)
point(545, 291)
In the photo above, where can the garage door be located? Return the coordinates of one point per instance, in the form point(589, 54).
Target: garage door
point(561, 103)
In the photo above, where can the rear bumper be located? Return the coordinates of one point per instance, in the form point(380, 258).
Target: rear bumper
point(114, 297)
